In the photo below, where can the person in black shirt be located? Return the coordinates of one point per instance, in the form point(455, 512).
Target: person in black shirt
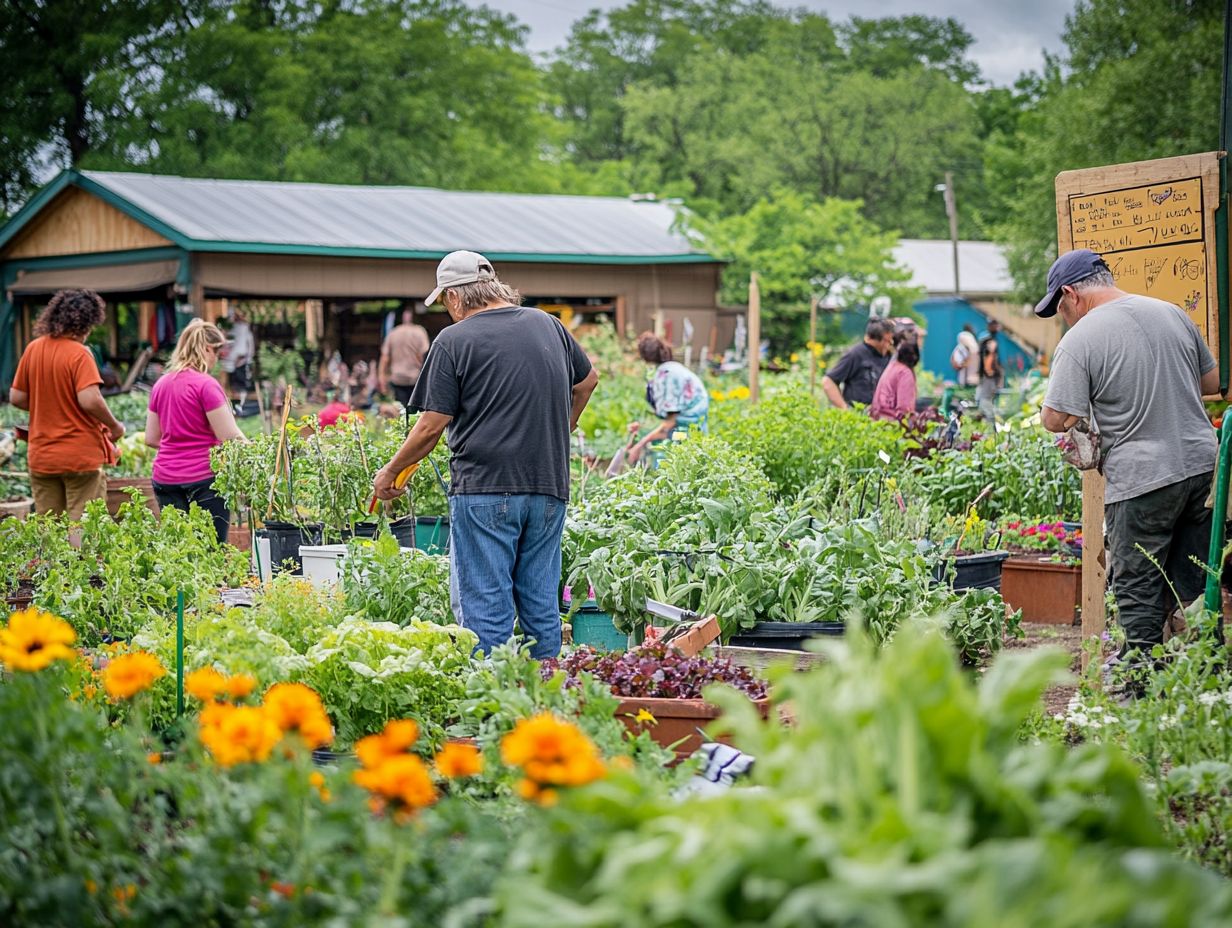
point(509, 383)
point(861, 367)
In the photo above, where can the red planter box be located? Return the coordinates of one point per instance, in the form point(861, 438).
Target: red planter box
point(1045, 591)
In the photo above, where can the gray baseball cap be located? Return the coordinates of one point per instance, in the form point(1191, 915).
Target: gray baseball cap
point(1068, 269)
point(458, 268)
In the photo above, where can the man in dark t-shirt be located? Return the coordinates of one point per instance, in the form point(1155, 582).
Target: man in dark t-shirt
point(861, 367)
point(509, 383)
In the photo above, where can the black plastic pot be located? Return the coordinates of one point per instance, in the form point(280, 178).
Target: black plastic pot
point(361, 530)
point(429, 534)
point(786, 636)
point(284, 542)
point(973, 571)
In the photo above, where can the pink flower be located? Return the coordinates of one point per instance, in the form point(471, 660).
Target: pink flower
point(1030, 530)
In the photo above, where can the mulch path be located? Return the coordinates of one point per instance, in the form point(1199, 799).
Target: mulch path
point(1066, 637)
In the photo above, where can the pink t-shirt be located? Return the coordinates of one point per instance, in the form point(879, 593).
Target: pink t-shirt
point(181, 400)
point(895, 393)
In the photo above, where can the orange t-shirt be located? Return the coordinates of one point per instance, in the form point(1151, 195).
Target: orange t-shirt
point(64, 438)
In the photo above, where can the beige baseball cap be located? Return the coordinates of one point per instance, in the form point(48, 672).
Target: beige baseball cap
point(458, 268)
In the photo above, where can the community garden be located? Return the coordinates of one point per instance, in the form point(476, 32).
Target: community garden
point(185, 741)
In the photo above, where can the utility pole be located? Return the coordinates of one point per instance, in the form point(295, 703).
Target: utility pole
point(951, 210)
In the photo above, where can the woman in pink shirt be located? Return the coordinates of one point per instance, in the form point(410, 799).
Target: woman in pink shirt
point(895, 393)
point(189, 414)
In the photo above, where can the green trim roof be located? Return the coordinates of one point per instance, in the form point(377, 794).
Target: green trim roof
point(267, 217)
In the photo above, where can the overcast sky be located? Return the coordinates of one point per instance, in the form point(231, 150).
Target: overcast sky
point(1010, 35)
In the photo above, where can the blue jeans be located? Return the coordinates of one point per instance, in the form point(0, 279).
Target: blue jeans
point(504, 555)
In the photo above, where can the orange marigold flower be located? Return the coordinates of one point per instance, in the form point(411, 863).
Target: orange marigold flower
point(240, 685)
point(130, 674)
point(154, 758)
point(240, 734)
point(403, 779)
point(395, 740)
point(33, 639)
point(297, 708)
point(459, 760)
point(316, 779)
point(205, 684)
point(552, 752)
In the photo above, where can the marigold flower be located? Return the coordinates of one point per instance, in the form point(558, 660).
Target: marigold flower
point(295, 707)
point(552, 753)
point(239, 734)
point(205, 684)
point(395, 740)
point(240, 685)
point(154, 758)
point(34, 639)
point(459, 760)
point(403, 779)
point(130, 674)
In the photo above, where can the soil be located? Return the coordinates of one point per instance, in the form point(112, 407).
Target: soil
point(1066, 637)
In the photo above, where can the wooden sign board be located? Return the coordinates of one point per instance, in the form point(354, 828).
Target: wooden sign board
point(1154, 223)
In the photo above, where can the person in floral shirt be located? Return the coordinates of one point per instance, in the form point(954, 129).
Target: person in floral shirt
point(675, 393)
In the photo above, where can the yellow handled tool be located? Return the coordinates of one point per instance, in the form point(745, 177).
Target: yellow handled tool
point(399, 483)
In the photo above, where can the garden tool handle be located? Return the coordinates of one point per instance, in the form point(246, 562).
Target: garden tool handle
point(399, 483)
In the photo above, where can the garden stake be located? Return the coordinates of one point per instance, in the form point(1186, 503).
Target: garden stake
point(179, 652)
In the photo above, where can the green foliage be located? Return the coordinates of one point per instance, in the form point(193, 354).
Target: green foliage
point(1180, 733)
point(370, 672)
point(1027, 474)
point(388, 584)
point(801, 246)
point(901, 795)
point(1138, 80)
point(795, 441)
point(127, 569)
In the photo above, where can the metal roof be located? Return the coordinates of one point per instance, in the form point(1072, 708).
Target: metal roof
point(982, 268)
point(420, 222)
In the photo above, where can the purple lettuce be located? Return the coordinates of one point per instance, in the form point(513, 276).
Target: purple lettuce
point(656, 671)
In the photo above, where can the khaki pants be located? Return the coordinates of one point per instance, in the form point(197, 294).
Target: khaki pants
point(67, 493)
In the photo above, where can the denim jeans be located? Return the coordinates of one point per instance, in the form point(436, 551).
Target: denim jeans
point(504, 553)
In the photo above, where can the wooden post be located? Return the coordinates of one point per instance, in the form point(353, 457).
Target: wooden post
point(754, 337)
point(812, 342)
point(1094, 573)
point(951, 210)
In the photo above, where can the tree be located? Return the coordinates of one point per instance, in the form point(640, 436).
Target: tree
point(800, 247)
point(70, 67)
point(1140, 81)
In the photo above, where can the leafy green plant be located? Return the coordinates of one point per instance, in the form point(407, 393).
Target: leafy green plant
point(901, 794)
point(370, 672)
point(386, 583)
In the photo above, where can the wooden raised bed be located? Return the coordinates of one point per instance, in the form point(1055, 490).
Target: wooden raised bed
point(1044, 590)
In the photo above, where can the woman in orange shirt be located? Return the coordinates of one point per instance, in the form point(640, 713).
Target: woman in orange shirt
point(71, 429)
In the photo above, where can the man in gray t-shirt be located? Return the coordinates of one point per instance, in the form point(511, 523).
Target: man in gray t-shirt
point(1138, 368)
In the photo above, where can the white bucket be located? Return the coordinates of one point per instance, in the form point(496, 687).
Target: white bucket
point(321, 563)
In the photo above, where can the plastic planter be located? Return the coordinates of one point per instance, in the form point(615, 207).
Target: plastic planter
point(1044, 590)
point(973, 571)
point(785, 636)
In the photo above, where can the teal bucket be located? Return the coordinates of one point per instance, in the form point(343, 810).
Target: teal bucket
point(593, 627)
point(431, 534)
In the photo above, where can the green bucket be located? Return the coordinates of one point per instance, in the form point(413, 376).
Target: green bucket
point(430, 534)
point(592, 626)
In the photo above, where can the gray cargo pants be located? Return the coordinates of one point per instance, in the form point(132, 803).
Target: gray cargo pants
point(1173, 525)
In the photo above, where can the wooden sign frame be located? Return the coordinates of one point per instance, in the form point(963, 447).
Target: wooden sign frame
point(1134, 215)
point(1141, 216)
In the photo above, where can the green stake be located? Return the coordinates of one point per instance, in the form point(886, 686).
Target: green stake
point(179, 652)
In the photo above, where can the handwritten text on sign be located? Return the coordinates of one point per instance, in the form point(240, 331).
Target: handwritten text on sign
point(1151, 237)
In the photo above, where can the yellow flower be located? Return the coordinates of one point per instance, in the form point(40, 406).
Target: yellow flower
point(795, 358)
point(395, 740)
point(240, 685)
point(130, 674)
point(297, 708)
point(33, 639)
point(459, 760)
point(718, 395)
point(551, 753)
point(238, 734)
point(403, 779)
point(644, 715)
point(205, 684)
